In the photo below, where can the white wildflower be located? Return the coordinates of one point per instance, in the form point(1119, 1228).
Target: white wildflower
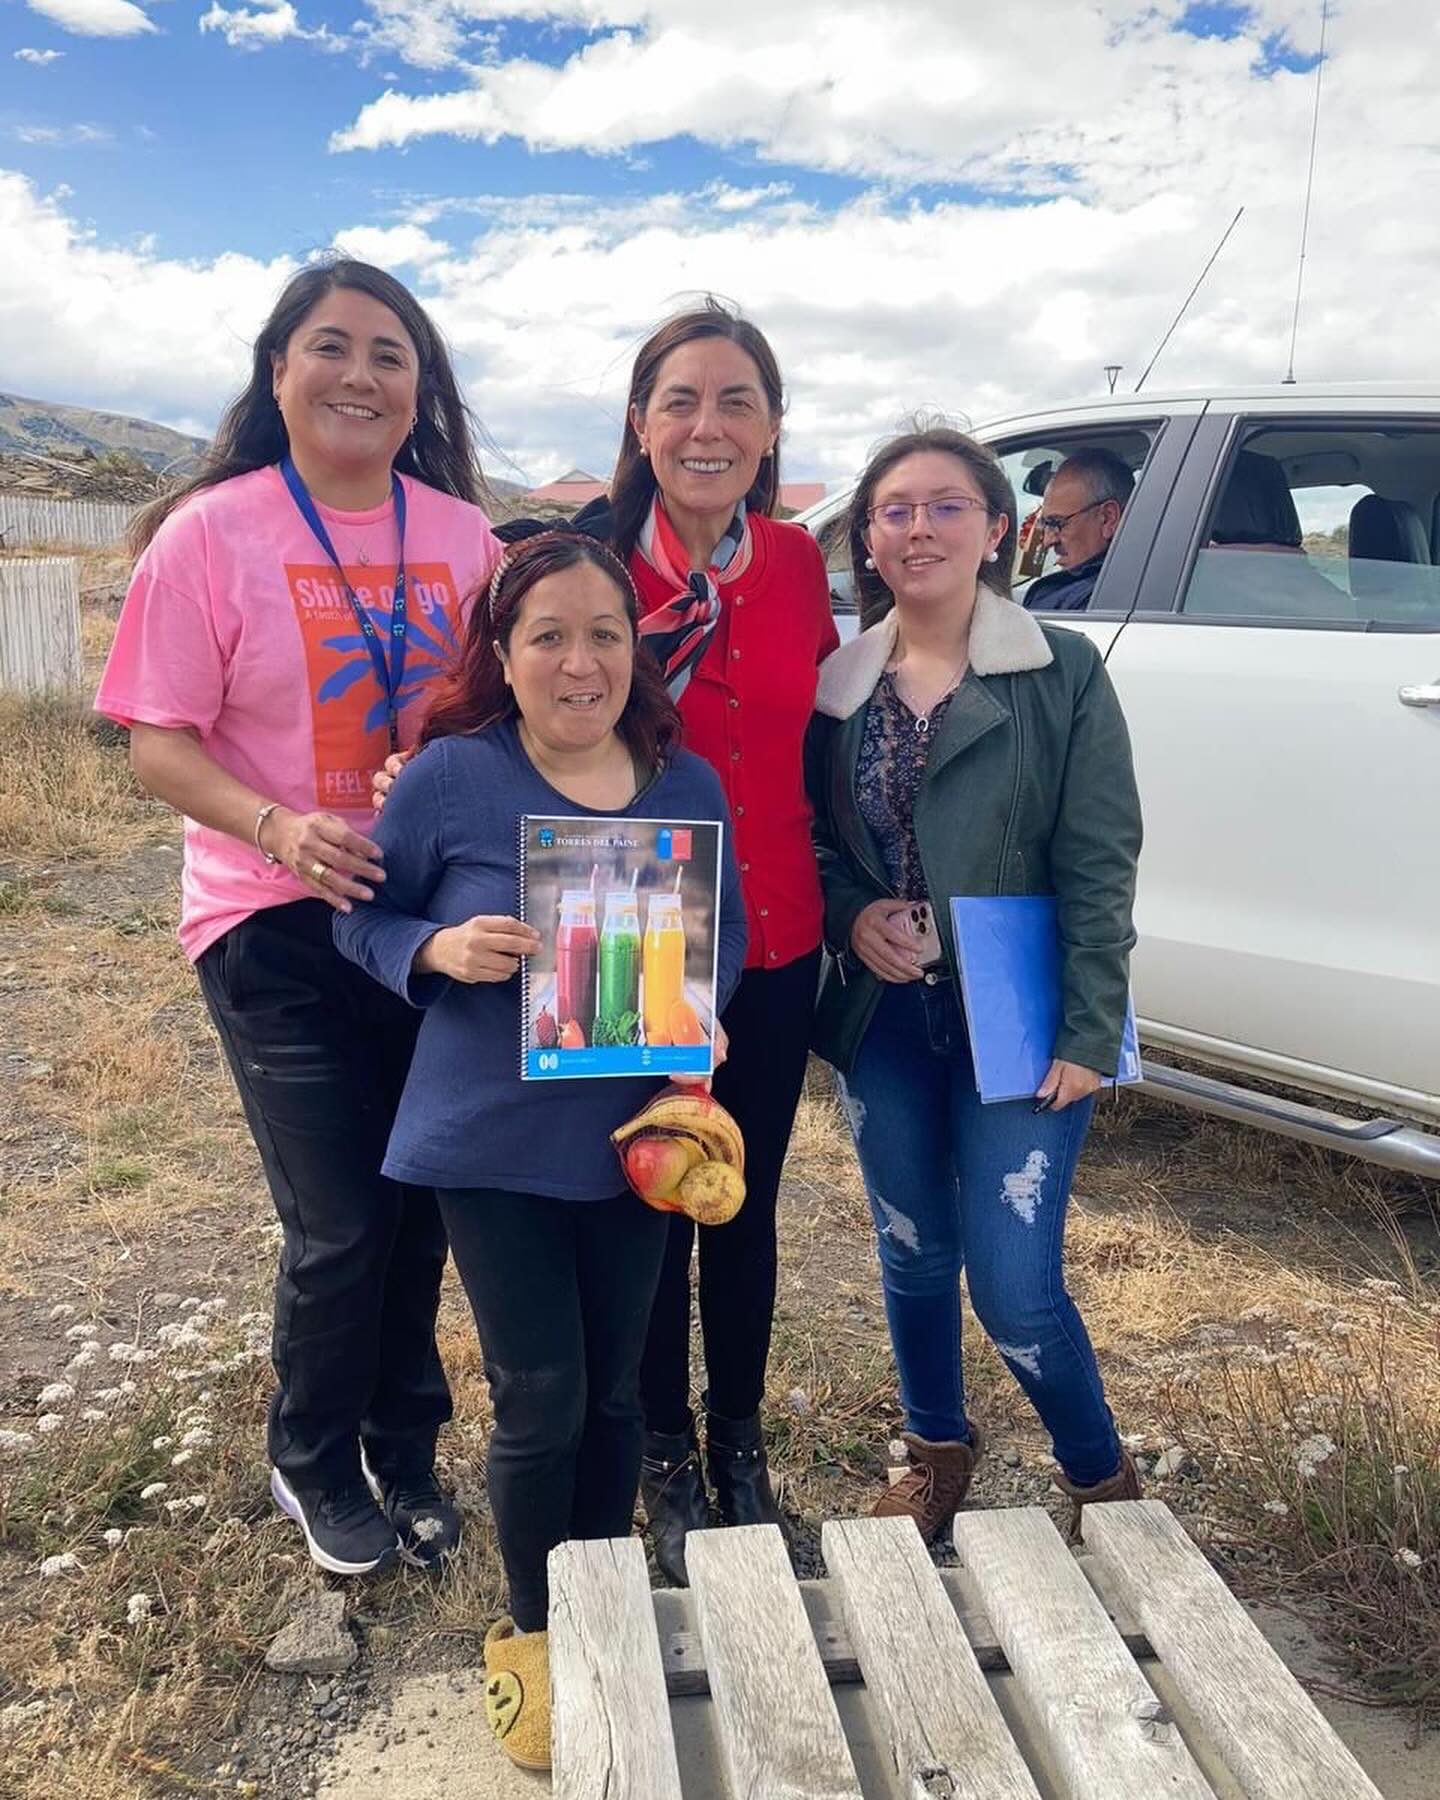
point(167, 1300)
point(62, 1311)
point(161, 1443)
point(1278, 1507)
point(154, 1490)
point(1313, 1451)
point(189, 1303)
point(1401, 1469)
point(1408, 1559)
point(86, 1359)
point(49, 1422)
point(114, 1538)
point(196, 1438)
point(1341, 1329)
point(91, 1415)
point(67, 1563)
point(190, 1503)
point(75, 1333)
point(16, 1443)
point(107, 1396)
point(180, 1458)
point(128, 1387)
point(20, 1714)
point(55, 1393)
point(132, 1353)
point(427, 1530)
point(138, 1609)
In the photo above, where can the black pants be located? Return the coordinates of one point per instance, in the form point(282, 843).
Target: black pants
point(561, 1291)
point(768, 1022)
point(319, 1053)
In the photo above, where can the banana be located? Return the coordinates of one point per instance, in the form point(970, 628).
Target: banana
point(692, 1115)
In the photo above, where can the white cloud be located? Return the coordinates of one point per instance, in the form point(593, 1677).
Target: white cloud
point(258, 27)
point(887, 302)
point(392, 247)
point(60, 137)
point(95, 18)
point(41, 59)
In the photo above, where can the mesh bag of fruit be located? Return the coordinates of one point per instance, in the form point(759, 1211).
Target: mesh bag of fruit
point(684, 1153)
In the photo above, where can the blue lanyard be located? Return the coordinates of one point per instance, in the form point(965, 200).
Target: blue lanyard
point(389, 674)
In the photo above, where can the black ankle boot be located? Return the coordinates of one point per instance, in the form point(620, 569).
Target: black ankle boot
point(673, 1490)
point(735, 1455)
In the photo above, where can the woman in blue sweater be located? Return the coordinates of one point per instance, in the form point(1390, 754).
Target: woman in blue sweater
point(549, 712)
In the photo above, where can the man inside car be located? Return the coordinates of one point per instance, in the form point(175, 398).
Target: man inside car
point(1084, 501)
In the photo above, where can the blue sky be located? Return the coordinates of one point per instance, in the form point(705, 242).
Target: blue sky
point(929, 202)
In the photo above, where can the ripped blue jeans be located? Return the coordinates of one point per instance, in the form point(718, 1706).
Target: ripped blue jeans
point(956, 1185)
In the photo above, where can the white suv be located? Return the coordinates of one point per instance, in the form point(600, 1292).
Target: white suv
point(1269, 612)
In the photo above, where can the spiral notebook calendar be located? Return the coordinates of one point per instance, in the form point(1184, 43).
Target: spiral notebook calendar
point(628, 913)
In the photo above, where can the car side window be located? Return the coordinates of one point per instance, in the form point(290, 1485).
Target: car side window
point(1325, 522)
point(1031, 464)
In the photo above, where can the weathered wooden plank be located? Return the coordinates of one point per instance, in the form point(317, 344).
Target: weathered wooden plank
point(684, 1657)
point(1109, 1735)
point(610, 1717)
point(39, 625)
point(780, 1735)
point(1265, 1726)
point(945, 1733)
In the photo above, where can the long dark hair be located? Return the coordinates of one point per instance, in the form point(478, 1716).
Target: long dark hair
point(872, 596)
point(632, 486)
point(476, 695)
point(441, 449)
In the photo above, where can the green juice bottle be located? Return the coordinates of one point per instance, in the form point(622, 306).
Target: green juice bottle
point(620, 957)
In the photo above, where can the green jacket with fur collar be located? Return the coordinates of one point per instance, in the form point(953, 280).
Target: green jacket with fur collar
point(1029, 789)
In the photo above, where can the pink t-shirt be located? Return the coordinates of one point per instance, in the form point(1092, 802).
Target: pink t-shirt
point(235, 624)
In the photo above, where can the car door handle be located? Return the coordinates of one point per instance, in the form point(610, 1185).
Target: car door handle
point(1428, 695)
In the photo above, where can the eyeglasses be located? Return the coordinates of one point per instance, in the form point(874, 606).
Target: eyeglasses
point(896, 515)
point(1055, 523)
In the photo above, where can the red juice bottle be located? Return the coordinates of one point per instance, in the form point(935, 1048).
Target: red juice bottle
point(576, 954)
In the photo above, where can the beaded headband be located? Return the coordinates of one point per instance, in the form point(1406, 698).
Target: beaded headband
point(517, 553)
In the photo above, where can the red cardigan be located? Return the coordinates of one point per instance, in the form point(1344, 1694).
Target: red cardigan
point(746, 711)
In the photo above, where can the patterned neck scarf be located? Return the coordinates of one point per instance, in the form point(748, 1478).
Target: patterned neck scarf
point(678, 634)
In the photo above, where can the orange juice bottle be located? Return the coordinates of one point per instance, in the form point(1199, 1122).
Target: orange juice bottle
point(662, 964)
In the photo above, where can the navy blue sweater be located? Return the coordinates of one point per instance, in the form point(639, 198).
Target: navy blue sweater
point(450, 832)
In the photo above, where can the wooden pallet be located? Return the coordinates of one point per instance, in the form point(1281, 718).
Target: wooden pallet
point(1008, 1679)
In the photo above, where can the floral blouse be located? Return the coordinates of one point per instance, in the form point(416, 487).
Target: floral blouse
point(893, 754)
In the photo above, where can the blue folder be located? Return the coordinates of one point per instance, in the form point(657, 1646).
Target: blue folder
point(1008, 947)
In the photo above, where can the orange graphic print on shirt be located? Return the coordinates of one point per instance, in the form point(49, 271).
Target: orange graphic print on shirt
point(347, 703)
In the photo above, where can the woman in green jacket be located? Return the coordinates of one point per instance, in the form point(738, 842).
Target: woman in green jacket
point(962, 748)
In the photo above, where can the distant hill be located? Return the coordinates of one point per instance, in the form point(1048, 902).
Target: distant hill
point(47, 429)
point(46, 448)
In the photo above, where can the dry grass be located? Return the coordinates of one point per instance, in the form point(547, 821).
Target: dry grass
point(121, 1129)
point(67, 795)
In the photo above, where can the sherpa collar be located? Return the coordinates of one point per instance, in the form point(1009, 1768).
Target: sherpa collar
point(1004, 639)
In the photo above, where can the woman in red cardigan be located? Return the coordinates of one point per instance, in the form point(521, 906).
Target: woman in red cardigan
point(736, 606)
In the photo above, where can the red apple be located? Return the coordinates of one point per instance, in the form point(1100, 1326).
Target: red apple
point(656, 1166)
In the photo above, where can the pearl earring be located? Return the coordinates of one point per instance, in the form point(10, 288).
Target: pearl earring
point(992, 556)
point(869, 562)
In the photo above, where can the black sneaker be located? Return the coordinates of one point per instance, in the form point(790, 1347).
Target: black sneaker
point(427, 1524)
point(345, 1532)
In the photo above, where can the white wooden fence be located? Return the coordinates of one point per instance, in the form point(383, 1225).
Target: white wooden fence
point(28, 519)
point(39, 625)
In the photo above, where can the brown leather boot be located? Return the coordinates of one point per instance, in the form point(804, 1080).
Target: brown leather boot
point(1124, 1484)
point(932, 1488)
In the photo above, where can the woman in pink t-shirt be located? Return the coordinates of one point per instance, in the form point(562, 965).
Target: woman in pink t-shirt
point(289, 609)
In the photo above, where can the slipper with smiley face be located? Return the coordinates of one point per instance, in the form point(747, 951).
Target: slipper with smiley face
point(517, 1693)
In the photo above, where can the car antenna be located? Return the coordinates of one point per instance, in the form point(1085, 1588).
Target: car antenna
point(1188, 298)
point(1289, 378)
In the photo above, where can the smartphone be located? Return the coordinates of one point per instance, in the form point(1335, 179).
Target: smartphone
point(920, 922)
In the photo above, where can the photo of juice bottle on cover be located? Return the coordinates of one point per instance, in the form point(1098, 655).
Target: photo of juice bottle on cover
point(624, 983)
